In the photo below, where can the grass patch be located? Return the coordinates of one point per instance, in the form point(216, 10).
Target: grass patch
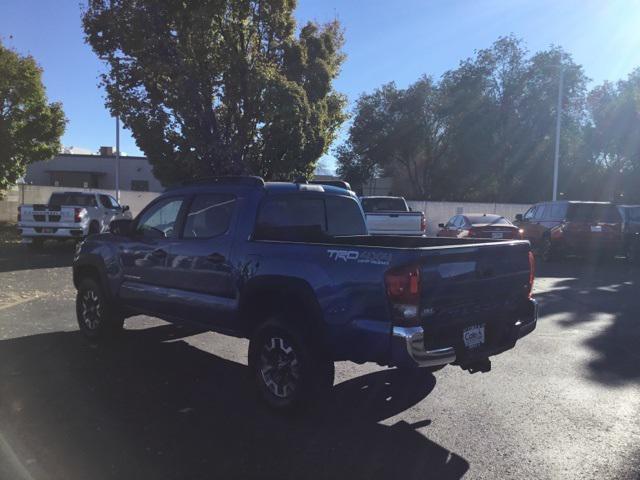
point(8, 233)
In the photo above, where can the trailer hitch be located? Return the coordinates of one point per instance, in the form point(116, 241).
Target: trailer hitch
point(483, 365)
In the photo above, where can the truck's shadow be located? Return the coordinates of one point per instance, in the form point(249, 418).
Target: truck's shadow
point(144, 408)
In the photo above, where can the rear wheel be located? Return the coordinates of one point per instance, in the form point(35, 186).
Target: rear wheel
point(289, 370)
point(97, 319)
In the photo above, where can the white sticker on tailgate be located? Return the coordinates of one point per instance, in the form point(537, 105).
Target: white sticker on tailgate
point(473, 336)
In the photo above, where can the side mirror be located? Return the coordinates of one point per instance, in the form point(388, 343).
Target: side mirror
point(125, 208)
point(121, 227)
point(519, 217)
point(410, 209)
point(441, 225)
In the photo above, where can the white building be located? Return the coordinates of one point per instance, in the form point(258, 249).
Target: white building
point(94, 171)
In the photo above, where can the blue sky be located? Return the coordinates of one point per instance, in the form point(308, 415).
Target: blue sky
point(385, 41)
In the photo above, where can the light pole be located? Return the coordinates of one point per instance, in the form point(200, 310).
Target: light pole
point(117, 158)
point(556, 159)
point(117, 185)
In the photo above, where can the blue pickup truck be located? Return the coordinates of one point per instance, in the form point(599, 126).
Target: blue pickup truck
point(291, 267)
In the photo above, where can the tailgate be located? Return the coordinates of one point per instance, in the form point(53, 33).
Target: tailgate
point(485, 284)
point(40, 213)
point(394, 222)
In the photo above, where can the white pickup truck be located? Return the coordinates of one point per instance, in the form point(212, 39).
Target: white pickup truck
point(392, 216)
point(68, 215)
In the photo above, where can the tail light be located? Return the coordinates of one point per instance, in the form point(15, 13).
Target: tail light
point(423, 223)
point(19, 215)
point(473, 232)
point(532, 271)
point(78, 213)
point(403, 291)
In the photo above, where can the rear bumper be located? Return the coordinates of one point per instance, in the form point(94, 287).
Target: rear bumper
point(408, 344)
point(60, 231)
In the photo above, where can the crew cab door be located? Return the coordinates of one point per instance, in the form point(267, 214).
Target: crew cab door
point(144, 255)
point(201, 270)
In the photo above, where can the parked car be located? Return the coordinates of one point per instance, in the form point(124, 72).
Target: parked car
point(392, 216)
point(571, 227)
point(292, 267)
point(630, 231)
point(478, 225)
point(68, 215)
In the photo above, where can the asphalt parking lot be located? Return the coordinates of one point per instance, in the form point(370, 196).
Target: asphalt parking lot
point(171, 403)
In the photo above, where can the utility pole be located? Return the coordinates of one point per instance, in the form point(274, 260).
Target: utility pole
point(556, 159)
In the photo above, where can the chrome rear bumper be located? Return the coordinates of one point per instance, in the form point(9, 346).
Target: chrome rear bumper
point(408, 346)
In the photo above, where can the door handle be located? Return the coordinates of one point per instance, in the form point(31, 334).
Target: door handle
point(215, 258)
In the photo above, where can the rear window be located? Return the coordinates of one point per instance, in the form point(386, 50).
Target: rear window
point(488, 220)
point(593, 212)
point(386, 204)
point(75, 199)
point(344, 217)
point(299, 218)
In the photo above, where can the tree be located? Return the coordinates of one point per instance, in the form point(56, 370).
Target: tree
point(217, 87)
point(30, 128)
point(501, 109)
point(613, 138)
point(400, 133)
point(484, 132)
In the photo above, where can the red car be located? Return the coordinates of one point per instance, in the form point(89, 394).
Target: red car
point(570, 227)
point(477, 225)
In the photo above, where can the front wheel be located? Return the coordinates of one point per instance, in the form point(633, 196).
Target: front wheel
point(289, 370)
point(548, 250)
point(96, 318)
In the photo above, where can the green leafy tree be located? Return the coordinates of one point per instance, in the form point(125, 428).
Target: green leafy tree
point(484, 132)
point(30, 127)
point(399, 133)
point(501, 108)
point(613, 139)
point(215, 87)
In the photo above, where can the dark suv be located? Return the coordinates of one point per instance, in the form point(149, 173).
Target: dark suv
point(571, 227)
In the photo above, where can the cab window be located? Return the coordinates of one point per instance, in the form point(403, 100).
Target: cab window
point(159, 220)
point(529, 215)
point(209, 216)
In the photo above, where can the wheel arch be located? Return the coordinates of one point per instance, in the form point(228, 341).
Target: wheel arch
point(91, 268)
point(264, 296)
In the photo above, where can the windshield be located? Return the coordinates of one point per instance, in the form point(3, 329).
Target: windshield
point(384, 204)
point(593, 212)
point(73, 199)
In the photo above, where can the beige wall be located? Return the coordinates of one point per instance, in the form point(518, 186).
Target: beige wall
point(40, 194)
point(435, 212)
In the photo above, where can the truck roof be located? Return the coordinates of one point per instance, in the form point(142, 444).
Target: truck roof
point(248, 182)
